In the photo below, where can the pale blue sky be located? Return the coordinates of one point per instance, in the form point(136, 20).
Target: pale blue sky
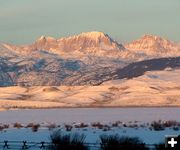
point(22, 21)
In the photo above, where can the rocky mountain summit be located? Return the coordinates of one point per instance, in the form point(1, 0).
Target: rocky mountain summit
point(154, 44)
point(90, 42)
point(85, 59)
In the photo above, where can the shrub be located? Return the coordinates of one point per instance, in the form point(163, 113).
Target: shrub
point(81, 125)
point(62, 141)
point(52, 126)
point(33, 126)
point(115, 142)
point(30, 125)
point(170, 123)
point(1, 128)
point(97, 125)
point(133, 126)
point(115, 124)
point(18, 125)
point(157, 125)
point(161, 125)
point(68, 127)
point(5, 126)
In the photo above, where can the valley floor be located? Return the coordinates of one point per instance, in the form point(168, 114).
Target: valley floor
point(149, 124)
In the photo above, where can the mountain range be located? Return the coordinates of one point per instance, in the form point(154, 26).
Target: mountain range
point(86, 59)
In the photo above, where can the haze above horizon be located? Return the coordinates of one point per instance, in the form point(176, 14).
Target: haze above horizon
point(22, 21)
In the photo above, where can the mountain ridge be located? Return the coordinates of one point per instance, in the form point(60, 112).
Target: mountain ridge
point(153, 44)
point(88, 58)
point(100, 44)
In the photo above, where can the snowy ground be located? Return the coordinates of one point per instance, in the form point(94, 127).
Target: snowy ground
point(75, 116)
point(92, 134)
point(156, 88)
point(88, 115)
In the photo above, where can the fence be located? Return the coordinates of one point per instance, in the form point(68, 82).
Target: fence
point(25, 145)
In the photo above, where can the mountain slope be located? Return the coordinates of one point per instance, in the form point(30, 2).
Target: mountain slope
point(46, 69)
point(85, 59)
point(84, 43)
point(150, 44)
point(156, 88)
point(88, 41)
point(99, 44)
point(132, 70)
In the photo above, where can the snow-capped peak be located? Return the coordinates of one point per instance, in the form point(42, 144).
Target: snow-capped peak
point(91, 40)
point(93, 34)
point(42, 38)
point(151, 43)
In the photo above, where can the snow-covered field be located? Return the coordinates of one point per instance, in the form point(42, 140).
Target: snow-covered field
point(142, 117)
point(92, 135)
point(88, 115)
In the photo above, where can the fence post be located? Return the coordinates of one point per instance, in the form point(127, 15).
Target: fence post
point(42, 145)
point(6, 144)
point(24, 145)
